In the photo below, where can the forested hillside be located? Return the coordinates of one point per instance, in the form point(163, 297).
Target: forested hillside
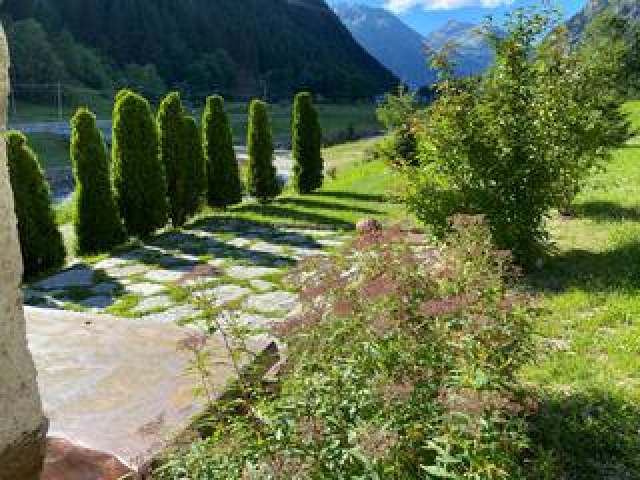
point(234, 46)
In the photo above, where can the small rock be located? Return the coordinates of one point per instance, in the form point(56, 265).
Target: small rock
point(368, 225)
point(73, 462)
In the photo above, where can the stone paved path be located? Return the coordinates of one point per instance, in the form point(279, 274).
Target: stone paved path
point(233, 265)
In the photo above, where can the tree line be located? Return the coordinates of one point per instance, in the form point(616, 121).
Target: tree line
point(191, 46)
point(162, 169)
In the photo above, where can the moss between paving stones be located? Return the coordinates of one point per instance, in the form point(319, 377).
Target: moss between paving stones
point(166, 252)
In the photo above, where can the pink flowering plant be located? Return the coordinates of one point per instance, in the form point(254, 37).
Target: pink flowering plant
point(401, 363)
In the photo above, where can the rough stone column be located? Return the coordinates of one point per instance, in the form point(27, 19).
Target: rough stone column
point(22, 422)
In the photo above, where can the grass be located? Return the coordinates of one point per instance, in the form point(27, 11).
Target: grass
point(361, 188)
point(587, 373)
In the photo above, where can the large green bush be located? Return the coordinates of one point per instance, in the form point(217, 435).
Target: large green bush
point(138, 173)
point(40, 240)
point(307, 144)
point(183, 172)
point(223, 175)
point(96, 219)
point(262, 181)
point(519, 141)
point(400, 365)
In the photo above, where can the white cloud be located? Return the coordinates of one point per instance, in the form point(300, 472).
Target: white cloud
point(399, 6)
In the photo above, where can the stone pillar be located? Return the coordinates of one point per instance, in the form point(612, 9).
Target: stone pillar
point(22, 422)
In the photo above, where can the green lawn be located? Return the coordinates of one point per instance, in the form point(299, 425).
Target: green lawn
point(588, 369)
point(361, 188)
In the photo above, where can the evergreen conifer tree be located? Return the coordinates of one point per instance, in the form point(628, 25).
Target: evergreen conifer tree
point(223, 175)
point(306, 141)
point(170, 120)
point(194, 166)
point(262, 182)
point(138, 173)
point(41, 243)
point(96, 219)
point(318, 161)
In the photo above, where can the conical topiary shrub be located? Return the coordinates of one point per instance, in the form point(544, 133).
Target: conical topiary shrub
point(195, 174)
point(262, 181)
point(170, 120)
point(138, 174)
point(96, 219)
point(318, 161)
point(306, 141)
point(40, 240)
point(223, 176)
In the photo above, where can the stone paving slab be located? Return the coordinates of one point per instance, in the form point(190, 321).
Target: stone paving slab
point(117, 386)
point(235, 264)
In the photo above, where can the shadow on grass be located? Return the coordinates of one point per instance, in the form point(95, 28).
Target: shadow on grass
point(586, 436)
point(606, 211)
point(361, 197)
point(615, 269)
point(319, 204)
point(292, 215)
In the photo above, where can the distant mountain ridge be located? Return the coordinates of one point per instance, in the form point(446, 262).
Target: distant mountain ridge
point(472, 53)
point(403, 50)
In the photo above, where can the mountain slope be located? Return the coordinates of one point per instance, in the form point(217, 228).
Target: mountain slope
point(626, 8)
point(392, 42)
point(472, 53)
point(287, 44)
point(402, 49)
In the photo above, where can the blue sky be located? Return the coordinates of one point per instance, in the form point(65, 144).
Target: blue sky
point(427, 15)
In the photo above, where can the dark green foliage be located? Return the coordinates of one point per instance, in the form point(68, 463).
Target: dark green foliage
point(138, 173)
point(399, 114)
point(307, 145)
point(195, 169)
point(40, 240)
point(96, 219)
point(224, 184)
point(521, 140)
point(205, 44)
point(262, 182)
point(173, 155)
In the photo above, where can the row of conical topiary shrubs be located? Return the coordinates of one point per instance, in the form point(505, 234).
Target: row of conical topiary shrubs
point(161, 169)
